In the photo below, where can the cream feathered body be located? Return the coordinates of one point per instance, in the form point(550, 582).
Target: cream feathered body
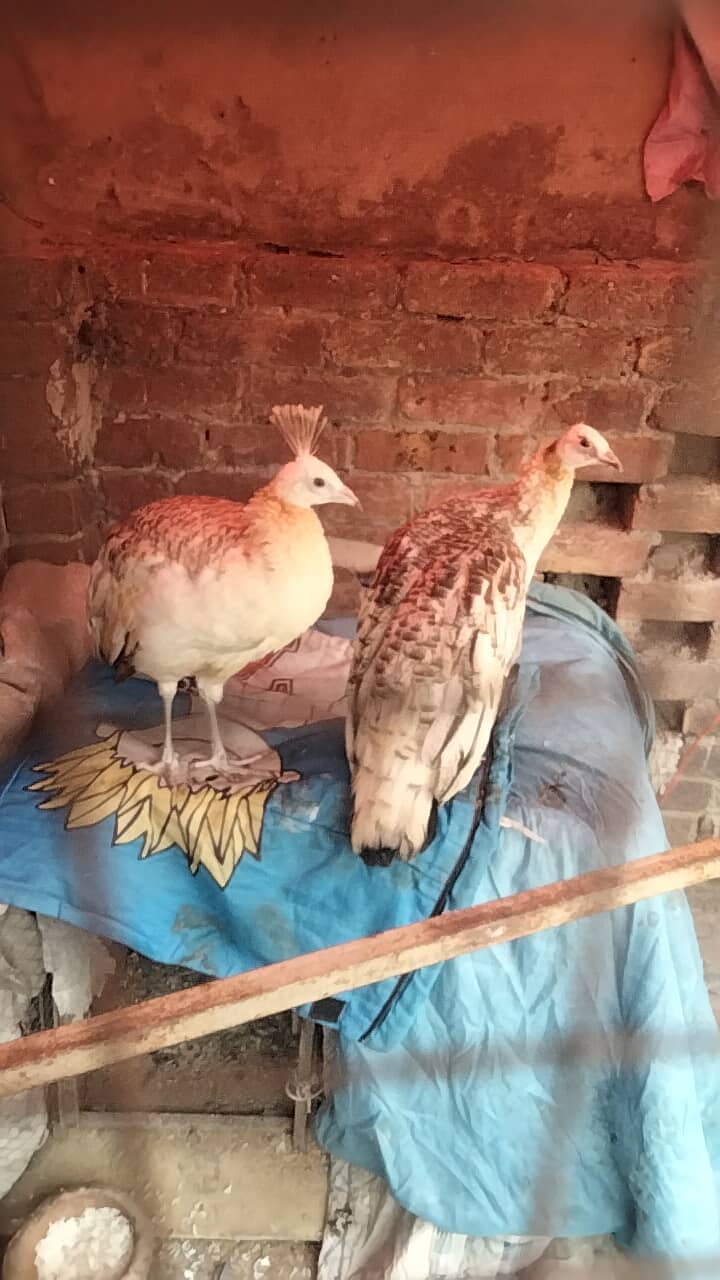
point(439, 630)
point(202, 587)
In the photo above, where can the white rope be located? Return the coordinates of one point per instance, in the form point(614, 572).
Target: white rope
point(524, 831)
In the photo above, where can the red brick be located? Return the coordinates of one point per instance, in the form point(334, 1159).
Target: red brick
point(112, 274)
point(185, 281)
point(436, 489)
point(671, 600)
point(362, 398)
point(195, 392)
point(671, 677)
point(473, 402)
point(93, 537)
point(462, 454)
point(696, 456)
point(325, 284)
point(175, 443)
point(650, 294)
point(31, 286)
point(695, 410)
point(28, 348)
point(686, 504)
point(29, 447)
point(680, 828)
point(284, 339)
point(679, 357)
point(237, 485)
point(615, 408)
point(598, 549)
point(660, 356)
point(258, 446)
point(693, 795)
point(483, 291)
point(139, 442)
point(513, 451)
point(119, 275)
point(123, 443)
point(698, 717)
point(253, 338)
point(124, 391)
point(140, 334)
point(644, 457)
point(406, 343)
point(263, 446)
point(49, 509)
point(548, 348)
point(51, 550)
point(125, 491)
point(387, 501)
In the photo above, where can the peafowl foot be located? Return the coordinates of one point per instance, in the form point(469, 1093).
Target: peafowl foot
point(170, 771)
point(223, 769)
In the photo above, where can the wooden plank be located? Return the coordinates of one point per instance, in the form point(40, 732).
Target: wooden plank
point(301, 1084)
point(196, 1176)
point(580, 546)
point(198, 1011)
point(359, 557)
point(584, 546)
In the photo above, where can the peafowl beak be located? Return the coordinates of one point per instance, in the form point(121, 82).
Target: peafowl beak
point(611, 459)
point(347, 497)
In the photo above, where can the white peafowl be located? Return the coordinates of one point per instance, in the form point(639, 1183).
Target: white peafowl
point(439, 631)
point(201, 587)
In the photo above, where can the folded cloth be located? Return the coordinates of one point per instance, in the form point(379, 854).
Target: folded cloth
point(684, 142)
point(44, 642)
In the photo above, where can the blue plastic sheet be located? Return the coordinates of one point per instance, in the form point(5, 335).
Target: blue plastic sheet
point(565, 1084)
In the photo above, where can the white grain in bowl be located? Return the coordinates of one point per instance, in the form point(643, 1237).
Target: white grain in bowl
point(96, 1245)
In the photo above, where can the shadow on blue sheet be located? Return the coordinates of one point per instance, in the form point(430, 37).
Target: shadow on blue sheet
point(566, 1084)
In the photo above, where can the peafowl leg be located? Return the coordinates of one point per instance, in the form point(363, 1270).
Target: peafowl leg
point(219, 764)
point(212, 696)
point(169, 767)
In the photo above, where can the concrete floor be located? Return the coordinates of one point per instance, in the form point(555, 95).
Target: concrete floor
point(193, 1260)
point(243, 1072)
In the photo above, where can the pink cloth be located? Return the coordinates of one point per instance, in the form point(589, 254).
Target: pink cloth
point(684, 142)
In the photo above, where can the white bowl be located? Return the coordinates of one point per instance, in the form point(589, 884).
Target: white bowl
point(20, 1264)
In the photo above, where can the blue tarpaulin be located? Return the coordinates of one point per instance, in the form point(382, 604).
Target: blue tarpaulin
point(565, 1084)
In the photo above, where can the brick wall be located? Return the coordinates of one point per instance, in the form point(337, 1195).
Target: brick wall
point(138, 372)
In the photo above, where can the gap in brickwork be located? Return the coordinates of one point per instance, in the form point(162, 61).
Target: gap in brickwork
point(603, 502)
point(603, 591)
point(686, 639)
point(681, 555)
point(669, 716)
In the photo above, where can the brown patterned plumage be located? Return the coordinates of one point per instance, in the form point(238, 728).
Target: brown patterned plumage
point(202, 587)
point(439, 631)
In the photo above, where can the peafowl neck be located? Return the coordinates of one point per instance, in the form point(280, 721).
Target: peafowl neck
point(544, 491)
